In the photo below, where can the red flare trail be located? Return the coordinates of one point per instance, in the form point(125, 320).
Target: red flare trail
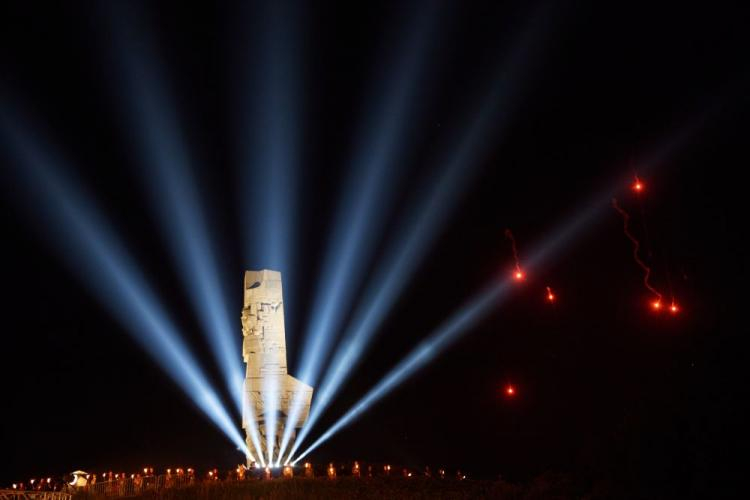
point(518, 273)
point(636, 249)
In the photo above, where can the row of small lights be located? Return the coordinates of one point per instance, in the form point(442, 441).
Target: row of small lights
point(214, 474)
point(32, 481)
point(386, 469)
point(147, 471)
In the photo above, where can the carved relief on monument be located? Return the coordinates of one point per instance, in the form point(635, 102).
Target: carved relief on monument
point(267, 383)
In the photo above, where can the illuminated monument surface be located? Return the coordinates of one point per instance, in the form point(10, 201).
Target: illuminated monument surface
point(269, 389)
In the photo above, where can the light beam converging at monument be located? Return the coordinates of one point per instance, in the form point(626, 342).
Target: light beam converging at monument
point(270, 123)
point(368, 191)
point(92, 251)
point(424, 220)
point(166, 172)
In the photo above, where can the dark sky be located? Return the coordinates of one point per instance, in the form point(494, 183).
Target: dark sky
point(605, 388)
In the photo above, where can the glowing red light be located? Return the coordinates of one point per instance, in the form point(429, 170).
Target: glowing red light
point(518, 275)
point(656, 305)
point(510, 390)
point(674, 309)
point(638, 185)
point(550, 295)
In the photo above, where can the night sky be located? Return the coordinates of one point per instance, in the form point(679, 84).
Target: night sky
point(605, 387)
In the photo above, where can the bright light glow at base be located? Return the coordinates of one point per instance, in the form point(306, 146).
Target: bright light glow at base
point(271, 406)
point(248, 417)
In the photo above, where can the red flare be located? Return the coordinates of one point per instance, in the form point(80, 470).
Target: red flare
point(550, 296)
point(674, 309)
point(638, 185)
point(656, 305)
point(510, 390)
point(518, 274)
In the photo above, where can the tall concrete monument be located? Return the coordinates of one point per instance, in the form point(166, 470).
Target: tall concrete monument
point(269, 390)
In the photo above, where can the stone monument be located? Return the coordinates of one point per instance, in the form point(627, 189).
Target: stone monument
point(269, 390)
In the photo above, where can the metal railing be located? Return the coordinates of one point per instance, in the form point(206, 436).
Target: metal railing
point(34, 495)
point(132, 486)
